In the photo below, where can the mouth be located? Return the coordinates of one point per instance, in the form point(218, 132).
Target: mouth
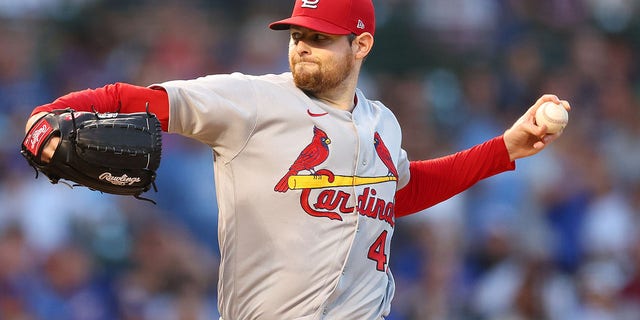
point(305, 63)
point(305, 60)
point(306, 67)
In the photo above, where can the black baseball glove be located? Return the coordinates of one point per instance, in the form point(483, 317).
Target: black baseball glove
point(108, 152)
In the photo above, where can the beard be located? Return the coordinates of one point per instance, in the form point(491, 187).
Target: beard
point(316, 77)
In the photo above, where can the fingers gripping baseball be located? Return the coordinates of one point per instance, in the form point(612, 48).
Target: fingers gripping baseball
point(527, 136)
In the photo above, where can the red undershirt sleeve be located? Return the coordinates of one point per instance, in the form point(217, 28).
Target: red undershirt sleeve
point(117, 97)
point(433, 181)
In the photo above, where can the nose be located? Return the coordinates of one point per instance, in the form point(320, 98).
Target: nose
point(301, 47)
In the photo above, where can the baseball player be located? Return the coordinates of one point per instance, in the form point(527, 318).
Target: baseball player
point(310, 174)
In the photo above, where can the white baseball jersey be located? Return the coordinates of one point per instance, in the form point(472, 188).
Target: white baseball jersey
point(305, 192)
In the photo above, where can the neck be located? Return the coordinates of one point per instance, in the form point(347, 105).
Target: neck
point(341, 97)
point(343, 100)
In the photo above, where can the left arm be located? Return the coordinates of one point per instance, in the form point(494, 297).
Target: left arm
point(433, 181)
point(436, 180)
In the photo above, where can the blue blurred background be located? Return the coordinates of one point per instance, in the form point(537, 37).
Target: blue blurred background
point(556, 239)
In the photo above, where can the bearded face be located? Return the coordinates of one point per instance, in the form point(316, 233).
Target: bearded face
point(318, 74)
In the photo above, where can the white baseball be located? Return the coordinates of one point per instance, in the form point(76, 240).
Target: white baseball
point(553, 115)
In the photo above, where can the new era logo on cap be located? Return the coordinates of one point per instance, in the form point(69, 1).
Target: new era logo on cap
point(331, 16)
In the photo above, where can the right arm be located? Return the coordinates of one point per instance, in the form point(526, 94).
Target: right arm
point(118, 97)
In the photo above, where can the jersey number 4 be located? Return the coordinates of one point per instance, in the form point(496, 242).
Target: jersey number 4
point(377, 251)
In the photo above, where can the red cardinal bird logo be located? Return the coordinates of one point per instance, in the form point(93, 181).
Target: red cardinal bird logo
point(312, 155)
point(384, 155)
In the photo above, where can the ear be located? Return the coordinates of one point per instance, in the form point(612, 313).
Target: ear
point(362, 45)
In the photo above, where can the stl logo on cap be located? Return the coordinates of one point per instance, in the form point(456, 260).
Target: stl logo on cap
point(313, 4)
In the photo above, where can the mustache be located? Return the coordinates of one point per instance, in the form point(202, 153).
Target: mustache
point(303, 59)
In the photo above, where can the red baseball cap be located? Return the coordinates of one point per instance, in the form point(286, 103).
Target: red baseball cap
point(331, 16)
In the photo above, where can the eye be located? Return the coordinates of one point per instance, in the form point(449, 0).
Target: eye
point(296, 36)
point(320, 37)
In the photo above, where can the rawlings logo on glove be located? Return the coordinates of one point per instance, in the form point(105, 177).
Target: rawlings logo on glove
point(119, 181)
point(34, 139)
point(112, 153)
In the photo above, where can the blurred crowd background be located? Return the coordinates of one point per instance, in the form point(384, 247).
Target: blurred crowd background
point(556, 239)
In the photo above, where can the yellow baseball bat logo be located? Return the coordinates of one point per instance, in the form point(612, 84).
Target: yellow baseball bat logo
point(322, 181)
